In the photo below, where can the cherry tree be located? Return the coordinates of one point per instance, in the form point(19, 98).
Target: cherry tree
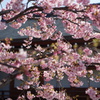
point(59, 59)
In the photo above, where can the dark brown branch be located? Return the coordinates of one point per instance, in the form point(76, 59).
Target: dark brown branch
point(22, 13)
point(40, 9)
point(72, 22)
point(68, 9)
point(95, 63)
point(1, 1)
point(5, 12)
point(7, 65)
point(91, 65)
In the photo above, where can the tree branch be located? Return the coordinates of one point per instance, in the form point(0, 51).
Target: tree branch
point(40, 9)
point(95, 63)
point(7, 65)
point(96, 31)
point(5, 12)
point(22, 13)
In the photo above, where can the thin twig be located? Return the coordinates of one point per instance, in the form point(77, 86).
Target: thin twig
point(7, 65)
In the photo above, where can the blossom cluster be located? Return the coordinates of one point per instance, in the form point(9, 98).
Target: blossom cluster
point(93, 93)
point(58, 59)
point(63, 60)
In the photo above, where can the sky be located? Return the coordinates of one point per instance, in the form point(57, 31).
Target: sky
point(5, 1)
point(95, 1)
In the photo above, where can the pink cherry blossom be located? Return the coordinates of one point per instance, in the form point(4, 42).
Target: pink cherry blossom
point(79, 19)
point(85, 2)
point(16, 5)
point(19, 77)
point(30, 96)
point(92, 92)
point(96, 35)
point(2, 25)
point(16, 25)
point(87, 51)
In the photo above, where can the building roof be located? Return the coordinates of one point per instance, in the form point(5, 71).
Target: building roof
point(12, 33)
